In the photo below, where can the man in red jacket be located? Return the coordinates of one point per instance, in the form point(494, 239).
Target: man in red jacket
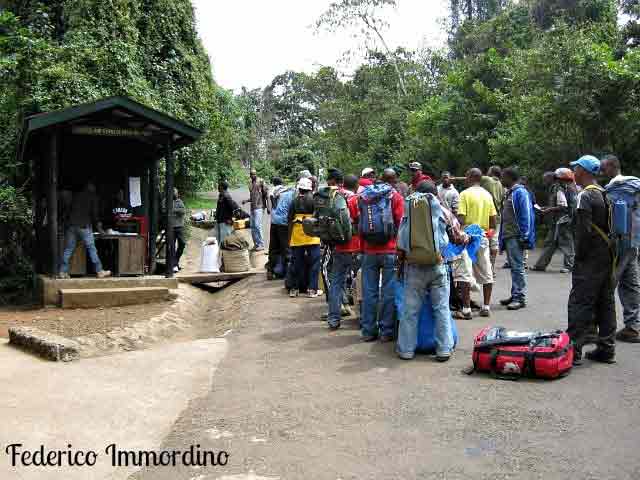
point(380, 259)
point(417, 177)
point(343, 256)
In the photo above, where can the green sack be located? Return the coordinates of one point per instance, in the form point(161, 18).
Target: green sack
point(332, 222)
point(422, 250)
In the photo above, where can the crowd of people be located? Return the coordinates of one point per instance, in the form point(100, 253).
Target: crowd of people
point(443, 243)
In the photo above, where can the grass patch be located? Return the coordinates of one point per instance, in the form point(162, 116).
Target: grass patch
point(196, 203)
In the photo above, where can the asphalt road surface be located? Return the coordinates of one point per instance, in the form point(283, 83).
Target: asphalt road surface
point(292, 401)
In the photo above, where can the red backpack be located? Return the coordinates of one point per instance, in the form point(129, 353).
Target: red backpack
point(511, 355)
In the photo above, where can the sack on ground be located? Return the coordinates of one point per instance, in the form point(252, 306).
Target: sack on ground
point(376, 214)
point(210, 259)
point(511, 354)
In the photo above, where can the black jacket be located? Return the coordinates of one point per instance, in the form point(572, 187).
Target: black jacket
point(225, 208)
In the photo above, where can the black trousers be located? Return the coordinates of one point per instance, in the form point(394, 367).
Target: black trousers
point(178, 233)
point(592, 304)
point(278, 245)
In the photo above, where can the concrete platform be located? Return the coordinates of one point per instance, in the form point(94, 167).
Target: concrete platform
point(50, 287)
point(111, 297)
point(200, 278)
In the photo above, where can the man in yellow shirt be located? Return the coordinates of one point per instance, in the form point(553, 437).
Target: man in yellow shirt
point(477, 207)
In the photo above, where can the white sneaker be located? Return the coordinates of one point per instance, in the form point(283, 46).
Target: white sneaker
point(314, 293)
point(63, 276)
point(293, 293)
point(103, 274)
point(176, 269)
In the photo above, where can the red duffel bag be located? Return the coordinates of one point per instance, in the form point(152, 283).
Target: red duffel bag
point(510, 354)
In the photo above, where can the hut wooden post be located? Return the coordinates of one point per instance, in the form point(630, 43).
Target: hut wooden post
point(154, 218)
point(168, 195)
point(52, 203)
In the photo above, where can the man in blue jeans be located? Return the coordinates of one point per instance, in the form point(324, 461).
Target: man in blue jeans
point(517, 234)
point(83, 215)
point(420, 280)
point(259, 200)
point(379, 260)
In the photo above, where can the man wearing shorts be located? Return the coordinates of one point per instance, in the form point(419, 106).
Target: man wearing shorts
point(477, 207)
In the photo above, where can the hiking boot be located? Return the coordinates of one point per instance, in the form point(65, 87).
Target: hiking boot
point(63, 276)
point(462, 316)
point(599, 355)
point(369, 338)
point(485, 312)
point(386, 339)
point(516, 306)
point(629, 335)
point(293, 293)
point(506, 301)
point(103, 274)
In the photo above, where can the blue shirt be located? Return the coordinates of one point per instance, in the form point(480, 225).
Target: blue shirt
point(280, 216)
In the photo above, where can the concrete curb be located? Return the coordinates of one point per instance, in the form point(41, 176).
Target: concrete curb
point(44, 344)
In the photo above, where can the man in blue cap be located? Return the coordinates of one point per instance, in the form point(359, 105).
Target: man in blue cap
point(591, 302)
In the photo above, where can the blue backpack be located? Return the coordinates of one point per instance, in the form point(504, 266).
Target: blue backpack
point(624, 199)
point(376, 215)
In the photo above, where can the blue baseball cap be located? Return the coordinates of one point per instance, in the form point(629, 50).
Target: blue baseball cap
point(590, 163)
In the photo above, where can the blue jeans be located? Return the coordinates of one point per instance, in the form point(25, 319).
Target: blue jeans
point(372, 267)
point(223, 230)
point(515, 256)
point(420, 281)
point(71, 236)
point(256, 228)
point(314, 270)
point(342, 264)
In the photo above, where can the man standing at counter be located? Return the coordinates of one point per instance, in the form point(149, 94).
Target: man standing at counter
point(82, 217)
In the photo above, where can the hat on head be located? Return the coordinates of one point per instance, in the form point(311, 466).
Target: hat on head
point(445, 174)
point(367, 171)
point(305, 184)
point(335, 174)
point(590, 163)
point(305, 174)
point(564, 174)
point(415, 166)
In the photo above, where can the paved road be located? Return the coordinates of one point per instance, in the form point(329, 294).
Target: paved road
point(291, 401)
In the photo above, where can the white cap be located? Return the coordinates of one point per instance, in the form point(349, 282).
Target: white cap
point(367, 171)
point(305, 184)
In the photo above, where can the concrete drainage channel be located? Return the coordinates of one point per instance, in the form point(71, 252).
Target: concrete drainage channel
point(195, 313)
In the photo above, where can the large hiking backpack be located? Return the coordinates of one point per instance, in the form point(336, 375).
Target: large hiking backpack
point(376, 214)
point(417, 234)
point(331, 220)
point(511, 355)
point(624, 199)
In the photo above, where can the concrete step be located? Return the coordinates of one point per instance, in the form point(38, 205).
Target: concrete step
point(111, 297)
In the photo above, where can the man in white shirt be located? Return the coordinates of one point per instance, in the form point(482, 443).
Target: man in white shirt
point(448, 194)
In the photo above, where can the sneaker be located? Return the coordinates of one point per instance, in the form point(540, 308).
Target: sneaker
point(565, 270)
point(103, 274)
point(314, 293)
point(406, 356)
point(269, 275)
point(460, 315)
point(506, 301)
point(369, 338)
point(176, 269)
point(475, 306)
point(516, 305)
point(629, 335)
point(537, 269)
point(293, 293)
point(599, 355)
point(259, 249)
point(485, 312)
point(506, 266)
point(345, 311)
point(63, 276)
point(386, 339)
point(333, 328)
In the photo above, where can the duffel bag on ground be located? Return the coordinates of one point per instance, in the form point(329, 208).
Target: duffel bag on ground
point(510, 354)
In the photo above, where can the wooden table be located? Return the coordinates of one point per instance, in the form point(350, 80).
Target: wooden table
point(123, 253)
